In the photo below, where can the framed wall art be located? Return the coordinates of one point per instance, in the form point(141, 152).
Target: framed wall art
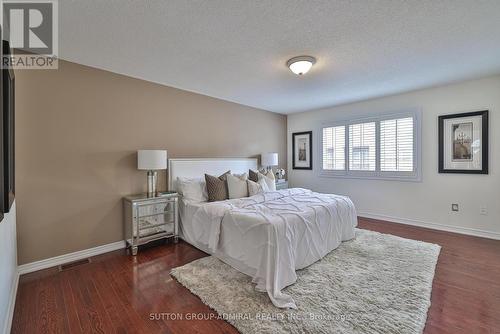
point(302, 150)
point(463, 143)
point(8, 127)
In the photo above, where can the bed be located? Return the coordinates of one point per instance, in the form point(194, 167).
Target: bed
point(267, 236)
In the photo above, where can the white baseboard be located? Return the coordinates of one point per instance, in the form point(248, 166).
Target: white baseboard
point(70, 257)
point(12, 304)
point(441, 227)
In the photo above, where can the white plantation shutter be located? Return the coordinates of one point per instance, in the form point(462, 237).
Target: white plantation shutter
point(380, 147)
point(396, 145)
point(362, 147)
point(334, 148)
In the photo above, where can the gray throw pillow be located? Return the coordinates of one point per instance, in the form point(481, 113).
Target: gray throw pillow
point(253, 176)
point(217, 187)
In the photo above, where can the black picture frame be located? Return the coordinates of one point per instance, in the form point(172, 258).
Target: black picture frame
point(2, 111)
point(8, 128)
point(294, 165)
point(484, 143)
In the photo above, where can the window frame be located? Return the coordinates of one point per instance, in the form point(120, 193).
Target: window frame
point(415, 175)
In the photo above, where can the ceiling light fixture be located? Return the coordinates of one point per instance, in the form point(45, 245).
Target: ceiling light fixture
point(301, 65)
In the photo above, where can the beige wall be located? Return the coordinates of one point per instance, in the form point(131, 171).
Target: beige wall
point(77, 132)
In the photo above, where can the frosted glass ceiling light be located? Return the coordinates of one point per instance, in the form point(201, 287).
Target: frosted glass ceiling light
point(301, 65)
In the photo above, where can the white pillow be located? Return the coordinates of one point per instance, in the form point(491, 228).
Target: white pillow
point(192, 189)
point(263, 185)
point(269, 180)
point(237, 186)
point(254, 188)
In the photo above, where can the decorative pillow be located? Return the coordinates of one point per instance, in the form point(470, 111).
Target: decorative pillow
point(217, 187)
point(269, 180)
point(254, 188)
point(263, 184)
point(237, 186)
point(253, 175)
point(192, 189)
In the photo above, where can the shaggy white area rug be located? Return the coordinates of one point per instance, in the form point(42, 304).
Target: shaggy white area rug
point(375, 283)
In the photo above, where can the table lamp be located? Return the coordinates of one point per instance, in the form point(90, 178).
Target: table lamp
point(269, 160)
point(152, 161)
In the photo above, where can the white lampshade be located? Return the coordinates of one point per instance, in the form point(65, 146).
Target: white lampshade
point(151, 159)
point(269, 159)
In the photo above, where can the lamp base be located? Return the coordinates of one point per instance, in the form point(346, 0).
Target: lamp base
point(152, 182)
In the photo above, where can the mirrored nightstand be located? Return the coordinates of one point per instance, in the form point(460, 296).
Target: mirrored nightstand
point(150, 218)
point(281, 185)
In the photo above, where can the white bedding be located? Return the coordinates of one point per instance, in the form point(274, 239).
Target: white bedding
point(270, 235)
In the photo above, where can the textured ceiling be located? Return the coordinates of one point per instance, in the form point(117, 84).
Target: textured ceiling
point(236, 50)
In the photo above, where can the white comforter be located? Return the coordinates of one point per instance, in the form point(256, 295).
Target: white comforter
point(268, 236)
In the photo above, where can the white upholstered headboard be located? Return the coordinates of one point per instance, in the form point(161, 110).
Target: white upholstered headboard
point(194, 168)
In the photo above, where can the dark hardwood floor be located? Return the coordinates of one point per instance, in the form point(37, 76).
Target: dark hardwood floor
point(117, 293)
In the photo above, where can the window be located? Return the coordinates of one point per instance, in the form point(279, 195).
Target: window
point(384, 147)
point(396, 145)
point(362, 146)
point(360, 158)
point(334, 148)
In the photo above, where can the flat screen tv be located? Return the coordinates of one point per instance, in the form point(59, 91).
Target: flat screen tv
point(8, 90)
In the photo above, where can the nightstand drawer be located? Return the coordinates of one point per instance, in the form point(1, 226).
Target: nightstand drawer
point(166, 209)
point(281, 185)
point(153, 224)
point(147, 228)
